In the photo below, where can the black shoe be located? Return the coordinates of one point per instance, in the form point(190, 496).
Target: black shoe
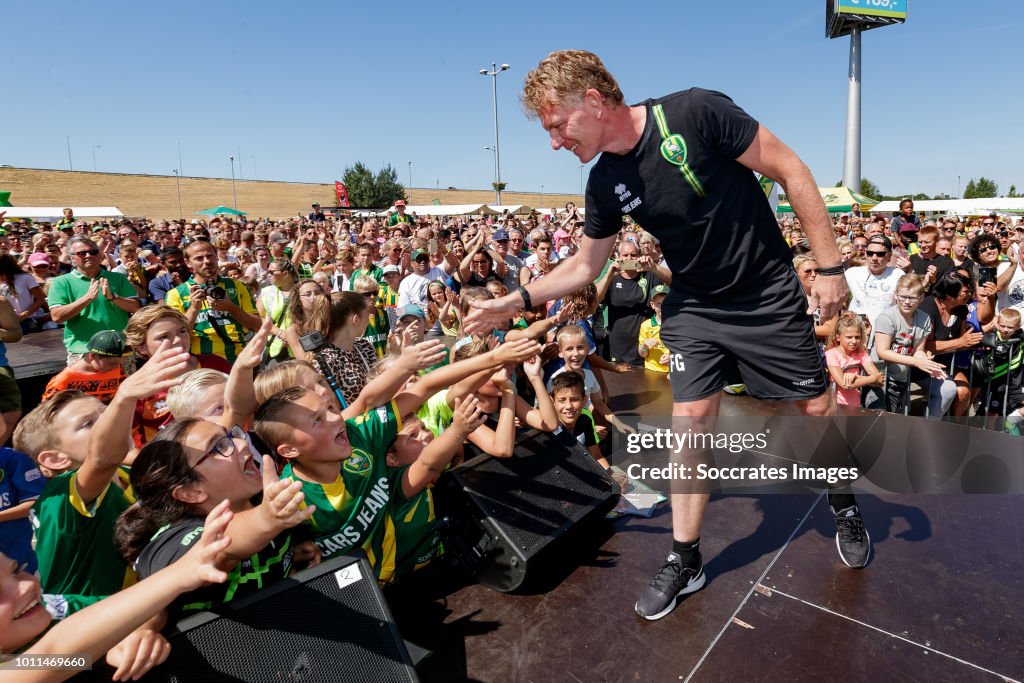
point(671, 581)
point(852, 538)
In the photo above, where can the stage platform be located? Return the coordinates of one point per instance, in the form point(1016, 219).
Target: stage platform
point(938, 601)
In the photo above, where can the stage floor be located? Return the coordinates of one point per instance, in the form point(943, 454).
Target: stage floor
point(937, 602)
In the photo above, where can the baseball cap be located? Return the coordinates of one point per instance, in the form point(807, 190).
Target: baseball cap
point(660, 289)
point(883, 240)
point(387, 270)
point(109, 343)
point(416, 253)
point(38, 259)
point(560, 235)
point(411, 309)
point(280, 239)
point(400, 202)
point(500, 235)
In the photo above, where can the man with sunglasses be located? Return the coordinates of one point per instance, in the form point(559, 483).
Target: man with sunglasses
point(873, 285)
point(89, 299)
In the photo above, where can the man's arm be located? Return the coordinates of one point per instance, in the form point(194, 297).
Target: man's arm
point(770, 157)
point(575, 272)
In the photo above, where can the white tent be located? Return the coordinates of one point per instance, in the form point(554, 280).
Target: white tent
point(958, 207)
point(449, 209)
point(55, 213)
point(513, 209)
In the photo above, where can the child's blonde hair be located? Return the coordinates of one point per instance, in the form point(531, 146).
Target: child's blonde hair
point(911, 282)
point(581, 303)
point(848, 321)
point(142, 319)
point(183, 399)
point(276, 379)
point(570, 332)
point(1010, 316)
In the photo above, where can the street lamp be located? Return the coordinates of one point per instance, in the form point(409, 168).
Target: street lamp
point(410, 174)
point(177, 182)
point(234, 196)
point(493, 73)
point(94, 148)
point(71, 166)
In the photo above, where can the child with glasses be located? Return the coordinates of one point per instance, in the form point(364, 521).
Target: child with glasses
point(900, 335)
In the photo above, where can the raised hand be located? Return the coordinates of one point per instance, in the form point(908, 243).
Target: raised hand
point(468, 415)
point(515, 352)
point(161, 372)
point(423, 355)
point(282, 498)
point(253, 352)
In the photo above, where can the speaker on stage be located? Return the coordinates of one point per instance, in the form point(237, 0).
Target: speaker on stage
point(329, 623)
point(506, 516)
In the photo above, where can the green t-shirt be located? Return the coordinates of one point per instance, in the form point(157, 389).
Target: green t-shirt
point(75, 542)
point(352, 512)
point(416, 541)
point(436, 414)
point(215, 332)
point(375, 272)
point(377, 330)
point(100, 313)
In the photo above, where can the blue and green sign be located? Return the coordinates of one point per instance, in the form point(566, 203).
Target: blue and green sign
point(894, 9)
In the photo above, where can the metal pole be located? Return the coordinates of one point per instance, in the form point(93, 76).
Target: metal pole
point(958, 188)
point(497, 149)
point(94, 148)
point(70, 166)
point(177, 182)
point(851, 161)
point(234, 197)
point(180, 167)
point(410, 174)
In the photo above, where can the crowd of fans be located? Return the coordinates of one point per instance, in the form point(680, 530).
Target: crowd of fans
point(283, 391)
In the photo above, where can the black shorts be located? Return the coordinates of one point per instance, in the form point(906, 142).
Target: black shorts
point(773, 352)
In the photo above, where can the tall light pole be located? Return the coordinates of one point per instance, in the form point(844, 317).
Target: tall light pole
point(94, 148)
point(181, 169)
point(851, 158)
point(410, 174)
point(493, 73)
point(177, 183)
point(68, 141)
point(234, 197)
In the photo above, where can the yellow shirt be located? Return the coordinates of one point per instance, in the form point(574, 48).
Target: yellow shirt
point(652, 329)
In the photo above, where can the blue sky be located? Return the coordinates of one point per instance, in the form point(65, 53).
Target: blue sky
point(300, 91)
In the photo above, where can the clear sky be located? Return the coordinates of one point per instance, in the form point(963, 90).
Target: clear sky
point(298, 91)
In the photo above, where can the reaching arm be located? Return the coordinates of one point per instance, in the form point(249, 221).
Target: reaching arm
point(575, 272)
point(439, 452)
point(240, 392)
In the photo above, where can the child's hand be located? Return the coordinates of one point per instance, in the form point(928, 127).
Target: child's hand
point(532, 367)
point(198, 567)
point(848, 379)
point(468, 416)
point(423, 355)
point(306, 554)
point(138, 653)
point(651, 342)
point(623, 368)
point(252, 354)
point(394, 343)
point(516, 352)
point(665, 358)
point(282, 498)
point(161, 372)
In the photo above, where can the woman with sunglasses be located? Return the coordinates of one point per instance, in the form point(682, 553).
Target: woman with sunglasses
point(992, 266)
point(273, 301)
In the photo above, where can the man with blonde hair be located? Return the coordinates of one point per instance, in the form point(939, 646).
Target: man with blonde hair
point(681, 166)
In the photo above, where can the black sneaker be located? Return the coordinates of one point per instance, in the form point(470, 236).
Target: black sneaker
point(852, 538)
point(671, 581)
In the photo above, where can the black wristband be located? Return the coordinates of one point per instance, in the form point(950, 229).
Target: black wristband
point(527, 303)
point(831, 270)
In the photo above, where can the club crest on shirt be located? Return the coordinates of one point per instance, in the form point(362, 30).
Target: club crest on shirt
point(673, 149)
point(359, 462)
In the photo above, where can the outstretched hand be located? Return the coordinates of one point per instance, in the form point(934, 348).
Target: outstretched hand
point(485, 314)
point(282, 498)
point(161, 372)
point(252, 354)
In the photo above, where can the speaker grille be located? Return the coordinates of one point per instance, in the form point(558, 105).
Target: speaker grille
point(538, 492)
point(315, 631)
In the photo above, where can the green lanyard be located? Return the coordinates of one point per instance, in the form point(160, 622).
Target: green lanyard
point(673, 149)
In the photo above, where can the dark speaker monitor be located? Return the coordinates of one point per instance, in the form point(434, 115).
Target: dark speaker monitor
point(507, 516)
point(326, 624)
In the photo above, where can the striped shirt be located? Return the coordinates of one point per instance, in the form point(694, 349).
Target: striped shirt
point(215, 332)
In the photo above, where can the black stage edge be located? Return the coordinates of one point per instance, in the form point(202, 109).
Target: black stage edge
point(938, 601)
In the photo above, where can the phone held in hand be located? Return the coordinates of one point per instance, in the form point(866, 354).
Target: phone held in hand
point(629, 264)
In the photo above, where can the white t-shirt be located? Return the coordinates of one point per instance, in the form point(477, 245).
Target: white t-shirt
point(1013, 297)
point(21, 297)
point(413, 288)
point(872, 294)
